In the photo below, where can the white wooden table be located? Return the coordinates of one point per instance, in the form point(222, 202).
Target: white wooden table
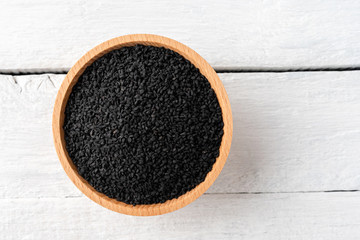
point(294, 166)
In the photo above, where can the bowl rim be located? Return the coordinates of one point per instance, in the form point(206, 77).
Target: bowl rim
point(59, 115)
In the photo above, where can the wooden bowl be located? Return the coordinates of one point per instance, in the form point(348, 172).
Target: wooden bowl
point(58, 121)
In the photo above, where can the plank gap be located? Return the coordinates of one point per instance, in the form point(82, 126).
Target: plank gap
point(210, 193)
point(20, 72)
point(286, 192)
point(285, 69)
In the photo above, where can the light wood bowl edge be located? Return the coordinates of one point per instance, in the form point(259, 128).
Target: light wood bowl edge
point(58, 120)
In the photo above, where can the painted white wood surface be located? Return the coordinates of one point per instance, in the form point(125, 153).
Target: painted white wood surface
point(312, 216)
point(43, 35)
point(293, 132)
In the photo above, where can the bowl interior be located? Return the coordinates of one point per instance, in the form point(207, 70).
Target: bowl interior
point(58, 121)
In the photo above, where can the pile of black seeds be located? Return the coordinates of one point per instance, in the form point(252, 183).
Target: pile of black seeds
point(143, 125)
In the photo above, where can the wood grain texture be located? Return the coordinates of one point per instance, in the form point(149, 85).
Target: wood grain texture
point(317, 216)
point(43, 35)
point(59, 115)
point(292, 132)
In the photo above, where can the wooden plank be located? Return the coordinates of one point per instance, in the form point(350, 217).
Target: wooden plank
point(250, 216)
point(44, 35)
point(292, 132)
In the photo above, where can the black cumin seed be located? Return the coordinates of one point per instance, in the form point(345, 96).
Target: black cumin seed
point(143, 125)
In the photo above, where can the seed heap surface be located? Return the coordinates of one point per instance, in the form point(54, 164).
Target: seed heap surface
point(143, 125)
